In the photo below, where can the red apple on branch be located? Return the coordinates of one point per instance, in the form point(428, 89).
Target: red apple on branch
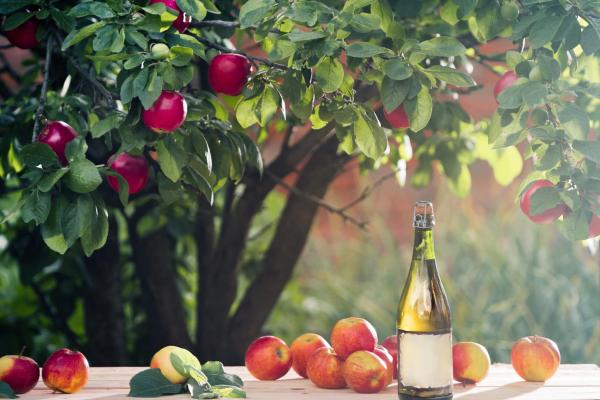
point(57, 134)
point(167, 113)
point(268, 358)
point(183, 21)
point(325, 369)
point(23, 36)
point(507, 80)
point(353, 334)
point(547, 216)
point(19, 372)
point(134, 169)
point(302, 348)
point(535, 358)
point(228, 73)
point(66, 371)
point(397, 118)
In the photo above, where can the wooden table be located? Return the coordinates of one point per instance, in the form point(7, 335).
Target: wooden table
point(571, 382)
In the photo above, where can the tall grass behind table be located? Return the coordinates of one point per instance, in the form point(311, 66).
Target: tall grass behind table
point(571, 382)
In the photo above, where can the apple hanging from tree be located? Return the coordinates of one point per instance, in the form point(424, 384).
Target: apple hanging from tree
point(167, 113)
point(594, 229)
point(507, 80)
point(183, 21)
point(66, 371)
point(397, 118)
point(23, 36)
point(228, 73)
point(134, 169)
point(57, 134)
point(547, 216)
point(19, 372)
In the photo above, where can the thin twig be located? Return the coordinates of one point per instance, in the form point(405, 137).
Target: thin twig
point(215, 24)
point(42, 101)
point(316, 200)
point(224, 49)
point(368, 190)
point(100, 87)
point(5, 46)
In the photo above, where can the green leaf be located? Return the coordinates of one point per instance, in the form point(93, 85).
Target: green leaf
point(393, 93)
point(179, 365)
point(36, 207)
point(253, 11)
point(364, 22)
point(419, 111)
point(152, 90)
point(83, 176)
point(590, 40)
point(76, 218)
point(6, 391)
point(16, 19)
point(589, 148)
point(96, 8)
point(369, 137)
point(77, 36)
point(9, 6)
point(301, 36)
point(230, 392)
point(181, 55)
point(544, 199)
point(52, 231)
point(266, 107)
point(365, 49)
point(123, 186)
point(198, 391)
point(76, 149)
point(152, 383)
point(35, 154)
point(245, 112)
point(49, 180)
point(442, 46)
point(171, 158)
point(195, 8)
point(133, 36)
point(201, 147)
point(544, 30)
point(397, 69)
point(533, 93)
point(330, 74)
point(511, 97)
point(105, 125)
point(451, 76)
point(575, 225)
point(575, 120)
point(140, 81)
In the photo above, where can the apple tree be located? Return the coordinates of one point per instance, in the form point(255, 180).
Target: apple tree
point(131, 139)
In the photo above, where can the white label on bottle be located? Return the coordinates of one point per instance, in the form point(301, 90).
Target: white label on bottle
point(425, 360)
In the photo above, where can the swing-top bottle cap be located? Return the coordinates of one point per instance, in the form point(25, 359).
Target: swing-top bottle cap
point(423, 215)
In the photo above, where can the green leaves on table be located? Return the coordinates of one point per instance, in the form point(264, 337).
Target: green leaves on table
point(6, 392)
point(209, 382)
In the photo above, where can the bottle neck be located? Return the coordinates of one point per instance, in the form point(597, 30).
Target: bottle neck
point(423, 244)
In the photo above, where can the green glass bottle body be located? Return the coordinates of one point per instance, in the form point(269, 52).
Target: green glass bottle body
point(424, 326)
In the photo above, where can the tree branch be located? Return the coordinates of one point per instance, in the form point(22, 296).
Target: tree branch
point(320, 202)
point(215, 24)
point(368, 190)
point(224, 49)
point(42, 101)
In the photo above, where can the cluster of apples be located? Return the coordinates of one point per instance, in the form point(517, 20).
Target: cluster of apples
point(507, 80)
point(354, 359)
point(64, 371)
point(534, 358)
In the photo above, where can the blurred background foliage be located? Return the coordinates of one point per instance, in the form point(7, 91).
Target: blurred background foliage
point(505, 278)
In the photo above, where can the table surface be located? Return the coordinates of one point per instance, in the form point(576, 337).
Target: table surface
point(571, 382)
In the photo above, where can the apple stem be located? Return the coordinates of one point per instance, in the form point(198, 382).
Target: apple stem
point(22, 351)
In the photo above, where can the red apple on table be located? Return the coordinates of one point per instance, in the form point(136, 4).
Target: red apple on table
point(547, 216)
point(268, 358)
point(162, 360)
point(507, 80)
point(228, 73)
point(23, 36)
point(167, 113)
point(470, 362)
point(302, 348)
point(134, 169)
point(535, 358)
point(19, 372)
point(57, 134)
point(391, 344)
point(397, 118)
point(183, 21)
point(66, 371)
point(325, 369)
point(386, 357)
point(353, 334)
point(365, 372)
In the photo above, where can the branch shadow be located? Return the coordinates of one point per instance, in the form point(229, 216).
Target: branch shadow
point(503, 392)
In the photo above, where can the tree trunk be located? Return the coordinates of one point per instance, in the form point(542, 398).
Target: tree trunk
point(156, 271)
point(283, 253)
point(104, 318)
